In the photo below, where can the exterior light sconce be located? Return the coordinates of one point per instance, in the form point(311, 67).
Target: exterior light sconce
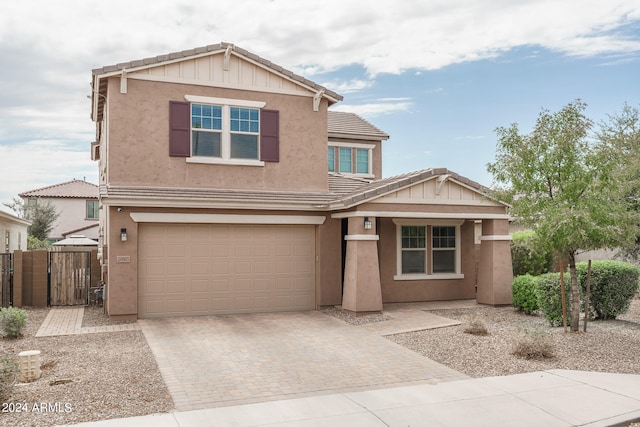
point(123, 234)
point(367, 223)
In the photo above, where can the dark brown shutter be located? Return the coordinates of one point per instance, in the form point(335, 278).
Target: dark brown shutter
point(180, 127)
point(269, 136)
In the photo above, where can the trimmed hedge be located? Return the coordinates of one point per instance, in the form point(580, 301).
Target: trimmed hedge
point(524, 293)
point(526, 258)
point(613, 285)
point(550, 299)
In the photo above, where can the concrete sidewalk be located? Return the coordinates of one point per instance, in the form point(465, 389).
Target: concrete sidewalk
point(548, 398)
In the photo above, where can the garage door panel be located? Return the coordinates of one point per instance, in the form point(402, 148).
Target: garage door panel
point(201, 269)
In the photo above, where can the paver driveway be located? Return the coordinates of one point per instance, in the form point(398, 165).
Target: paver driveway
point(227, 360)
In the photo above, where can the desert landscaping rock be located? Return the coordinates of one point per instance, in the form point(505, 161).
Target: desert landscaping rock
point(114, 375)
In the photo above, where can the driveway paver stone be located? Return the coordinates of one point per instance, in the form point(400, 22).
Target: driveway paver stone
point(217, 361)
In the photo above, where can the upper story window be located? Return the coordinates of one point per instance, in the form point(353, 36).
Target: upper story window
point(351, 158)
point(223, 131)
point(92, 209)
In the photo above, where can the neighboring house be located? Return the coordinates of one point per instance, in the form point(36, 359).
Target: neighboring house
point(13, 232)
point(77, 203)
point(227, 186)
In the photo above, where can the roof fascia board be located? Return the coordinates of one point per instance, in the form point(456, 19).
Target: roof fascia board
point(222, 204)
point(418, 215)
point(200, 218)
point(365, 136)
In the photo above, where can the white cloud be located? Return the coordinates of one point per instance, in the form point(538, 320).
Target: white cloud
point(49, 48)
point(39, 163)
point(374, 109)
point(350, 86)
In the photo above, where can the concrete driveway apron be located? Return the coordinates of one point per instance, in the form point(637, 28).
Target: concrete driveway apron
point(217, 361)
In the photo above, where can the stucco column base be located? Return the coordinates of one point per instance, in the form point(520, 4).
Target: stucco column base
point(495, 272)
point(362, 291)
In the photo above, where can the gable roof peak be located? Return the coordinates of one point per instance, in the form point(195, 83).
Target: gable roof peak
point(206, 50)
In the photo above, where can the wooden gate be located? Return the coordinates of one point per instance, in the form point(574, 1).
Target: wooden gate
point(69, 278)
point(6, 273)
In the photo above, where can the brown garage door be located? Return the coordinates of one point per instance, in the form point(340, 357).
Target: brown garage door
point(204, 269)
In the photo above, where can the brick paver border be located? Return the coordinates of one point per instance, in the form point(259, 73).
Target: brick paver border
point(68, 321)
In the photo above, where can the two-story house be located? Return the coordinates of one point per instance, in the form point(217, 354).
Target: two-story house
point(228, 186)
point(75, 201)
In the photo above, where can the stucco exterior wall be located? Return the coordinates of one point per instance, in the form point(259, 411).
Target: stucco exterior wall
point(424, 290)
point(122, 287)
point(15, 231)
point(138, 152)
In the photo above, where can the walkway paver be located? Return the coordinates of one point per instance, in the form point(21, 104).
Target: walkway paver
point(68, 321)
point(217, 361)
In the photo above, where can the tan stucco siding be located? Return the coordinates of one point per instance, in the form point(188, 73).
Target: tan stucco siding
point(424, 290)
point(122, 288)
point(329, 250)
point(138, 152)
point(469, 211)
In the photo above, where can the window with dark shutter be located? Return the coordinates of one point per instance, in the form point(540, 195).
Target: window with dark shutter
point(269, 136)
point(180, 128)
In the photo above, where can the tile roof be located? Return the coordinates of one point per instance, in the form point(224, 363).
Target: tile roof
point(344, 192)
point(77, 188)
point(214, 48)
point(349, 125)
point(383, 186)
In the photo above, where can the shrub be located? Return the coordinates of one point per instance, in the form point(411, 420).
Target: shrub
point(8, 374)
point(13, 321)
point(526, 257)
point(476, 326)
point(550, 299)
point(533, 344)
point(524, 293)
point(613, 286)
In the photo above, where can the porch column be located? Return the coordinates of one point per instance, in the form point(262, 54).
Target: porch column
point(495, 272)
point(362, 292)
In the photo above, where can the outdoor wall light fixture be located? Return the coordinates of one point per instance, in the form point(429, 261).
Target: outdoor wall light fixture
point(123, 234)
point(367, 223)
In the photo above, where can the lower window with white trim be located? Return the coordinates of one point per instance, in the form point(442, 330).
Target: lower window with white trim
point(428, 250)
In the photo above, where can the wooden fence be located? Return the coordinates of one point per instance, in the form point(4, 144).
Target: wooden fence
point(69, 278)
point(6, 284)
point(42, 278)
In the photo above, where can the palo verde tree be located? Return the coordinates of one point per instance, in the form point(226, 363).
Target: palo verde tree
point(561, 182)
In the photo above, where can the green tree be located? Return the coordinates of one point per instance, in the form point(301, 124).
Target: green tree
point(561, 183)
point(42, 215)
point(621, 136)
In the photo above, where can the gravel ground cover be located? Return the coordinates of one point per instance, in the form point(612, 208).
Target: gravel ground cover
point(112, 375)
point(607, 346)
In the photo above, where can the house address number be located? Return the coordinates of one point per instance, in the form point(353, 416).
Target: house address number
point(123, 259)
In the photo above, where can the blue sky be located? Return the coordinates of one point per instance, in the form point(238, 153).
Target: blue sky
point(437, 75)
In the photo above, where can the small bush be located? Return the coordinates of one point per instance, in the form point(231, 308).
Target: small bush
point(613, 286)
point(550, 299)
point(13, 321)
point(8, 374)
point(533, 344)
point(524, 293)
point(476, 326)
point(526, 257)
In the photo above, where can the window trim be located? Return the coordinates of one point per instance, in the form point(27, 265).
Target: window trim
point(225, 148)
point(354, 147)
point(399, 222)
point(97, 209)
